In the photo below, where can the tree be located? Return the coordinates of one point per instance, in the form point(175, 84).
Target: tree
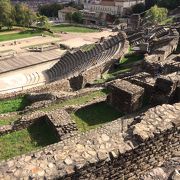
point(156, 14)
point(6, 14)
point(69, 17)
point(24, 16)
point(169, 4)
point(77, 17)
point(43, 22)
point(138, 8)
point(50, 10)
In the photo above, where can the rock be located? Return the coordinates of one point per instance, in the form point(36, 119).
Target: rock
point(41, 173)
point(105, 137)
point(176, 175)
point(68, 161)
point(50, 165)
point(27, 158)
point(10, 163)
point(176, 154)
point(17, 173)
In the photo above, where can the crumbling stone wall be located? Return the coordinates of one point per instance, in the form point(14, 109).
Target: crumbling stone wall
point(59, 120)
point(165, 89)
point(144, 80)
point(124, 96)
point(122, 149)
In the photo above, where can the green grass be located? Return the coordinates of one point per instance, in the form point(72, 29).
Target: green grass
point(93, 116)
point(19, 35)
point(13, 105)
point(71, 28)
point(8, 120)
point(124, 63)
point(77, 101)
point(110, 76)
point(131, 58)
point(36, 136)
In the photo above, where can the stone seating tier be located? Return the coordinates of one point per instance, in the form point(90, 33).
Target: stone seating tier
point(79, 61)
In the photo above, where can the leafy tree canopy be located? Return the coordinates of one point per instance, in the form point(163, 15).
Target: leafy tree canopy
point(77, 17)
point(6, 14)
point(156, 14)
point(24, 16)
point(50, 10)
point(138, 8)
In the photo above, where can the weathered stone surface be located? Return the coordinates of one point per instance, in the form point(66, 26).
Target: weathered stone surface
point(176, 175)
point(125, 96)
point(165, 89)
point(110, 152)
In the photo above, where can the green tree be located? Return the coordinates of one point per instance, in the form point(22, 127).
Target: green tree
point(24, 16)
point(138, 8)
point(169, 4)
point(6, 14)
point(77, 17)
point(156, 14)
point(50, 10)
point(69, 17)
point(43, 22)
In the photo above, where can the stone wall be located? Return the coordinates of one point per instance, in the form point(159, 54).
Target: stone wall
point(125, 96)
point(160, 50)
point(59, 120)
point(123, 149)
point(165, 89)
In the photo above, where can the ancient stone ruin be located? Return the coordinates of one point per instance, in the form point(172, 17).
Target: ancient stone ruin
point(143, 138)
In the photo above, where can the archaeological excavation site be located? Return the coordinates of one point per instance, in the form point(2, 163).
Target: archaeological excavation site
point(107, 110)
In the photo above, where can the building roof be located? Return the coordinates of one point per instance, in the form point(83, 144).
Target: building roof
point(69, 10)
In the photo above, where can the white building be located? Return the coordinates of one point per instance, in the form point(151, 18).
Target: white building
point(113, 7)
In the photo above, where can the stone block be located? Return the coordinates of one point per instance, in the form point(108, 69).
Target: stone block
point(124, 96)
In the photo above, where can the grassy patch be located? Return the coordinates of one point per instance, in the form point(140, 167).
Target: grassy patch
point(110, 76)
point(8, 120)
point(131, 58)
point(124, 66)
point(36, 136)
point(13, 105)
point(70, 28)
point(78, 100)
point(95, 115)
point(19, 35)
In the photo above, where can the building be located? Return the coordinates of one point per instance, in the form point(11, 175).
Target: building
point(113, 7)
point(63, 12)
point(104, 11)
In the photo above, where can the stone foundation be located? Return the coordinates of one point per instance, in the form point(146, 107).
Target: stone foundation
point(124, 96)
point(165, 89)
